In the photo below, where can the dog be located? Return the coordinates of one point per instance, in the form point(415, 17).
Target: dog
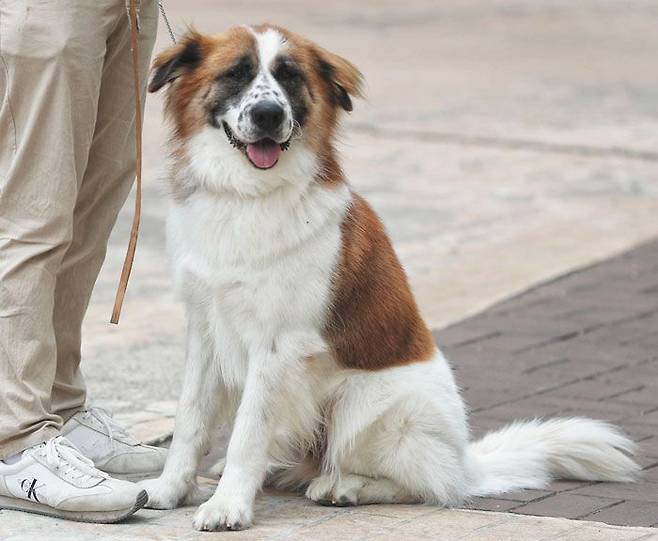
point(302, 332)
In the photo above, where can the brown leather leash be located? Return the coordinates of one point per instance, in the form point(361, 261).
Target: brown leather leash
point(134, 230)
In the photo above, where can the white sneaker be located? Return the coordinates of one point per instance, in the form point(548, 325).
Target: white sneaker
point(54, 479)
point(110, 447)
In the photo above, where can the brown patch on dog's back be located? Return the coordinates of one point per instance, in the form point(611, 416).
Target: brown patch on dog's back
point(373, 321)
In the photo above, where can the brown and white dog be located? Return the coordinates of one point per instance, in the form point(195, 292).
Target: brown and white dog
point(303, 334)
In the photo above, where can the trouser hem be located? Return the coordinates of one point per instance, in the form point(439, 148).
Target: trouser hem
point(30, 440)
point(68, 413)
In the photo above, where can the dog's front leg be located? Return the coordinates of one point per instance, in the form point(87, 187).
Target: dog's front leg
point(231, 507)
point(197, 410)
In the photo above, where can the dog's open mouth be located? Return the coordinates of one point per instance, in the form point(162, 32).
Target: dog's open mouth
point(263, 154)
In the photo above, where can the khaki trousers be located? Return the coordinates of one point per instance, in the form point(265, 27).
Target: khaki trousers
point(67, 163)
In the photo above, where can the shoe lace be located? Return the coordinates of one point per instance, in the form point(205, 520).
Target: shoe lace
point(105, 418)
point(62, 455)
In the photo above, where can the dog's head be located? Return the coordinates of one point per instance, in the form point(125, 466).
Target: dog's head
point(255, 100)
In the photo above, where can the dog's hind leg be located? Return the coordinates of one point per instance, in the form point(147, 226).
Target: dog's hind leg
point(398, 435)
point(415, 450)
point(354, 489)
point(397, 460)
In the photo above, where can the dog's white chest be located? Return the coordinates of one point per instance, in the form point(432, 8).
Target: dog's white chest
point(262, 270)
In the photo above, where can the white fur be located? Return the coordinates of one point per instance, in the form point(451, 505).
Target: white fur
point(530, 454)
point(269, 44)
point(253, 256)
point(217, 167)
point(264, 87)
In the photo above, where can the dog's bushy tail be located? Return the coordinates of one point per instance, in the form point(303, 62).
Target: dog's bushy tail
point(530, 454)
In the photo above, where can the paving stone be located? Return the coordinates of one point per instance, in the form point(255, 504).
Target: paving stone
point(646, 393)
point(540, 325)
point(647, 445)
point(647, 462)
point(527, 408)
point(597, 389)
point(639, 491)
point(636, 513)
point(492, 504)
point(594, 532)
point(447, 525)
point(479, 397)
point(651, 474)
point(525, 496)
point(481, 425)
point(460, 336)
point(566, 505)
point(648, 415)
point(506, 531)
point(566, 486)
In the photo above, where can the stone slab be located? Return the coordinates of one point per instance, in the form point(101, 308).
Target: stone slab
point(393, 523)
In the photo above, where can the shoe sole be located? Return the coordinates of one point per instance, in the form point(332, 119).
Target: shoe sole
point(97, 517)
point(134, 477)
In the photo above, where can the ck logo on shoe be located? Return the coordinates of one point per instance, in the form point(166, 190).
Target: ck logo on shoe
point(29, 486)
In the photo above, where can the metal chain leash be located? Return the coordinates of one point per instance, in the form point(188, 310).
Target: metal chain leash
point(166, 20)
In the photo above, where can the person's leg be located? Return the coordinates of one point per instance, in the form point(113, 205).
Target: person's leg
point(105, 186)
point(51, 61)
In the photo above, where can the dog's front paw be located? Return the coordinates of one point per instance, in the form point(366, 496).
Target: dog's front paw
point(163, 494)
point(220, 513)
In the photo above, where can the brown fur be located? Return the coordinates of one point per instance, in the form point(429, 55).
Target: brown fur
point(320, 129)
point(374, 321)
point(187, 94)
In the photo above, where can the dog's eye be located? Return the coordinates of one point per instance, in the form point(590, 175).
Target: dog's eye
point(286, 71)
point(241, 70)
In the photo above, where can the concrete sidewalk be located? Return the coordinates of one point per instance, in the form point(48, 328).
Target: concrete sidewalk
point(282, 518)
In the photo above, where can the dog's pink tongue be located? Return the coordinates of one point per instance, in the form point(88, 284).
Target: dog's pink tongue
point(264, 154)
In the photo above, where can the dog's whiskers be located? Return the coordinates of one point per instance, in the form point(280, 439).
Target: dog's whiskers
point(296, 131)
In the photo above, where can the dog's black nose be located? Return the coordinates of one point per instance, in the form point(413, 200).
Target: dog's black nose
point(267, 115)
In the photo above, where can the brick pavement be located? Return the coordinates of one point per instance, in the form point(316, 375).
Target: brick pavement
point(584, 344)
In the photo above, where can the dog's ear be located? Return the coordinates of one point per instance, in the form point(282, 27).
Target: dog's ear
point(345, 78)
point(174, 61)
